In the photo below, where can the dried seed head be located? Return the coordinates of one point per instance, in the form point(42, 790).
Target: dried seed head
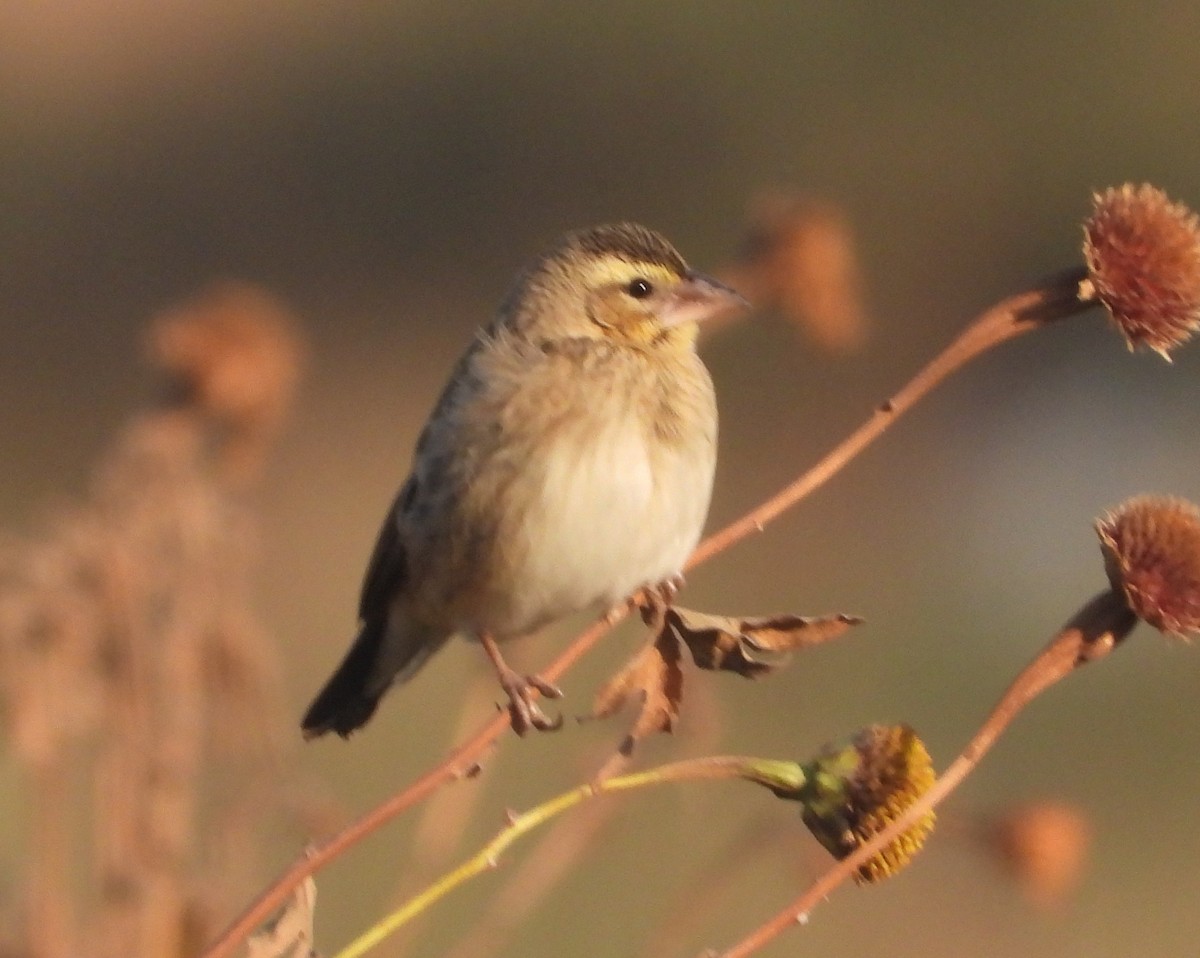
point(1151, 547)
point(234, 350)
point(800, 257)
point(857, 791)
point(1143, 259)
point(1044, 846)
point(233, 355)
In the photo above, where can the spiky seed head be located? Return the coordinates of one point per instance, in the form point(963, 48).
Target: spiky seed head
point(1151, 547)
point(1143, 260)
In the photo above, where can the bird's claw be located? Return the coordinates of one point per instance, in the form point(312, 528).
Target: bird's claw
point(670, 587)
point(523, 709)
point(658, 598)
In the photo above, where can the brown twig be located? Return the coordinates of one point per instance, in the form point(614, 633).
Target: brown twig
point(1054, 299)
point(1092, 634)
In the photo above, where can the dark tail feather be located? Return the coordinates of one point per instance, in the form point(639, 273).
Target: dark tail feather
point(352, 693)
point(381, 656)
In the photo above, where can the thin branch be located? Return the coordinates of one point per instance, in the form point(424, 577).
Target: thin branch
point(773, 774)
point(1091, 635)
point(1058, 297)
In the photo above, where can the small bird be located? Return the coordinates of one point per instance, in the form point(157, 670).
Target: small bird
point(568, 463)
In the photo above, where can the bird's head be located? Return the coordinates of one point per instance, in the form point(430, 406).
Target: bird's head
point(623, 283)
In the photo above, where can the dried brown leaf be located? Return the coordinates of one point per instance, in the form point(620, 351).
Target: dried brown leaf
point(754, 646)
point(290, 935)
point(653, 678)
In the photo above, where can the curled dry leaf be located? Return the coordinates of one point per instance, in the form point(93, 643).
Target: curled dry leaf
point(654, 678)
point(290, 935)
point(750, 647)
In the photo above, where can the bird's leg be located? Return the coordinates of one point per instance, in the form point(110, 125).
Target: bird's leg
point(523, 708)
point(659, 598)
point(650, 600)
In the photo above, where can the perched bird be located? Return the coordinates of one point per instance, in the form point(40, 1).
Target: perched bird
point(568, 462)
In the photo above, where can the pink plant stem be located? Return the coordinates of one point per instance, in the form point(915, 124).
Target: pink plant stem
point(1060, 296)
point(1092, 634)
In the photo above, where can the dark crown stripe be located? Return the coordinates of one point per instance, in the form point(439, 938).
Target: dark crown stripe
point(628, 241)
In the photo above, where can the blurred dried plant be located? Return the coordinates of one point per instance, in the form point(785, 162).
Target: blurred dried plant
point(799, 257)
point(1044, 846)
point(136, 680)
point(232, 355)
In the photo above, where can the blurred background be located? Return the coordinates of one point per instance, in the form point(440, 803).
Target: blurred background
point(382, 170)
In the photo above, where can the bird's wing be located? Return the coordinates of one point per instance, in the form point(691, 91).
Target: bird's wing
point(388, 566)
point(436, 473)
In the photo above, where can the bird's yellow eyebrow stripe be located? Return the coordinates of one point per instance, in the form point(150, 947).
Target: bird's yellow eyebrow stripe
point(613, 270)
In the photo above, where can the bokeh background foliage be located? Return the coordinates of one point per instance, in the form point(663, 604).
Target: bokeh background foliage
point(383, 168)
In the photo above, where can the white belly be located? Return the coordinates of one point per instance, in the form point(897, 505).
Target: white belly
point(611, 518)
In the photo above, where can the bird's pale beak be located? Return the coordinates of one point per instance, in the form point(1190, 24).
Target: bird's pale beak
point(698, 298)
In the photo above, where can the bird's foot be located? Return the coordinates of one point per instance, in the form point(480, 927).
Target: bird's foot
point(658, 598)
point(523, 709)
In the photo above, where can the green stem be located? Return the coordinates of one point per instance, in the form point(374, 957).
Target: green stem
point(781, 777)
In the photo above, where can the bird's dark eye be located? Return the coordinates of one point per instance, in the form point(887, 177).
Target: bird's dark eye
point(640, 288)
